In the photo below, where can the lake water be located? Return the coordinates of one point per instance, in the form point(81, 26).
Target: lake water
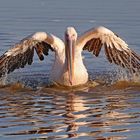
point(30, 109)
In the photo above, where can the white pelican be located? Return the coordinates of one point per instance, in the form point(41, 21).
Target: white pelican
point(68, 68)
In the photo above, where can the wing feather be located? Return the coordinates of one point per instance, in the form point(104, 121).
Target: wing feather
point(23, 52)
point(116, 50)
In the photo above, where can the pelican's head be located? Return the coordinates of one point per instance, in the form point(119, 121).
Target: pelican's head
point(71, 33)
point(70, 40)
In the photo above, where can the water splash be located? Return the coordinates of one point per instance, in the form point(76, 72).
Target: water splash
point(3, 80)
point(126, 75)
point(116, 75)
point(41, 81)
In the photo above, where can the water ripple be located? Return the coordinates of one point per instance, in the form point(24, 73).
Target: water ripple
point(39, 115)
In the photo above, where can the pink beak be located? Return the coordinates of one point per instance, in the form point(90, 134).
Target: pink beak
point(70, 58)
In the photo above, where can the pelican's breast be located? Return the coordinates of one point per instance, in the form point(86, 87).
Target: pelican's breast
point(80, 72)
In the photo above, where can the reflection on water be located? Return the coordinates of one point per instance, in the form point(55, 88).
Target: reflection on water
point(55, 115)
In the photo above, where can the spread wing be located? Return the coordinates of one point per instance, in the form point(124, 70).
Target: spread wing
point(22, 53)
point(116, 49)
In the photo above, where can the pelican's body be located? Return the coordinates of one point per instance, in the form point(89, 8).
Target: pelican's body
point(60, 73)
point(68, 68)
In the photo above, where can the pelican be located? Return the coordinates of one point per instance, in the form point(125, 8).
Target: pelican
point(68, 68)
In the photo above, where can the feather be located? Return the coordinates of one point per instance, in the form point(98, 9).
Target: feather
point(116, 49)
point(23, 52)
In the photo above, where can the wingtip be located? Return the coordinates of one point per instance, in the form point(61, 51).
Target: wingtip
point(41, 57)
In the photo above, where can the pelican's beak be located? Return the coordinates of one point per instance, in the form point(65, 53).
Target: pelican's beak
point(70, 58)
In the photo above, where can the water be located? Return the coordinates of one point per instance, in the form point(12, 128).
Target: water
point(31, 111)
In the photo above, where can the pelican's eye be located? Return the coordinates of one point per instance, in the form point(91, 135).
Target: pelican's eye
point(73, 36)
